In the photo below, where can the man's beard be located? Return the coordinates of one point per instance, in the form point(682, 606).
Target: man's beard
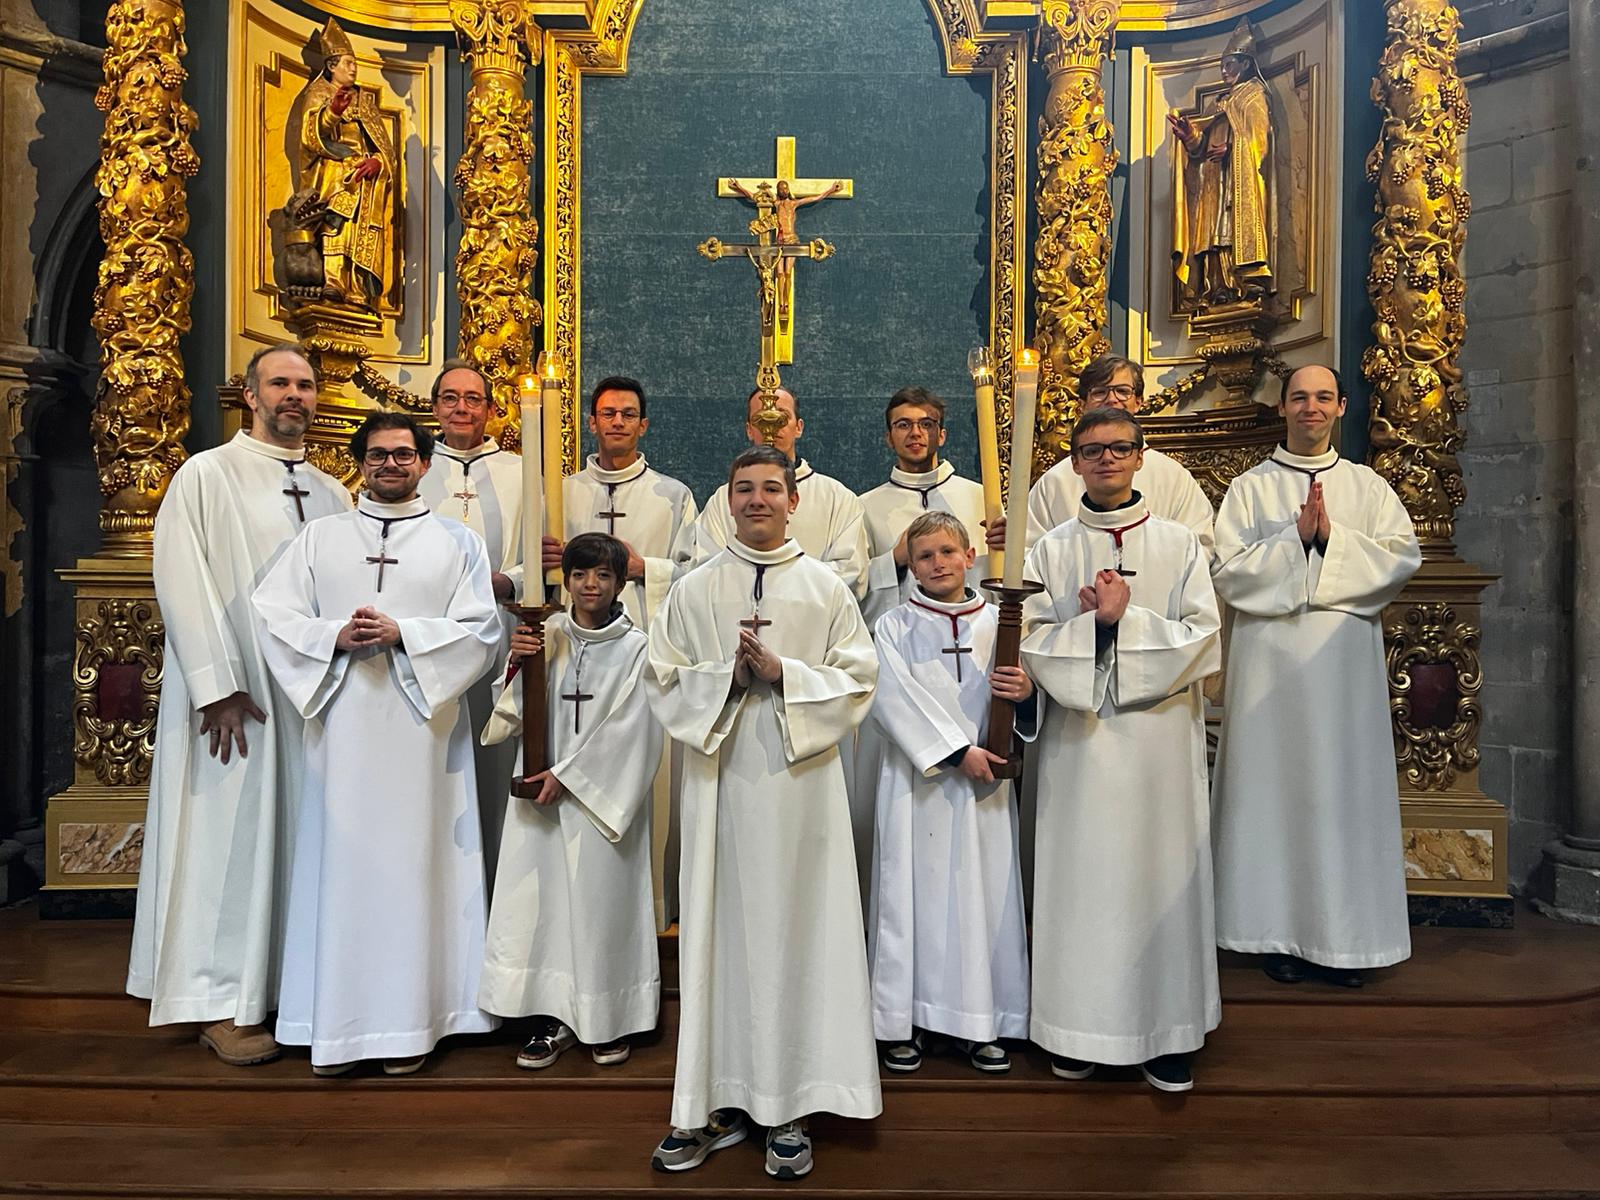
point(390, 490)
point(287, 426)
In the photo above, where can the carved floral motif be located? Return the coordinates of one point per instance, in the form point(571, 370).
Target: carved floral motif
point(124, 636)
point(1435, 675)
point(146, 280)
point(1415, 278)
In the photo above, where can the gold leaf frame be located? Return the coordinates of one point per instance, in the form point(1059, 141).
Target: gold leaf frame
point(123, 632)
point(602, 49)
point(1431, 634)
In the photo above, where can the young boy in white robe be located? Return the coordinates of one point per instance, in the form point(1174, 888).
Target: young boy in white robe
point(948, 941)
point(761, 667)
point(572, 936)
point(1125, 631)
point(1310, 549)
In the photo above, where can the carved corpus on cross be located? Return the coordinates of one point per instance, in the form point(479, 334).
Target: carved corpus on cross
point(776, 247)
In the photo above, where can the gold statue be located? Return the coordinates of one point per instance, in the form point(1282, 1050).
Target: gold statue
point(1223, 246)
point(775, 214)
point(346, 189)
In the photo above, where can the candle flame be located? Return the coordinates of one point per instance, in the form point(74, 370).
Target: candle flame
point(552, 365)
point(1028, 358)
point(527, 382)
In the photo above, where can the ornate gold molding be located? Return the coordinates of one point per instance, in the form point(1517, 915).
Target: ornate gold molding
point(116, 687)
point(1072, 256)
point(499, 240)
point(141, 304)
point(1415, 279)
point(1435, 675)
point(1003, 56)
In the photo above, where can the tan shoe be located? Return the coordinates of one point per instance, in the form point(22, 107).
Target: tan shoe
point(240, 1045)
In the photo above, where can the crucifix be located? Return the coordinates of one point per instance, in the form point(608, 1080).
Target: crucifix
point(754, 622)
point(382, 556)
point(294, 489)
point(958, 650)
point(611, 514)
point(466, 495)
point(577, 695)
point(777, 244)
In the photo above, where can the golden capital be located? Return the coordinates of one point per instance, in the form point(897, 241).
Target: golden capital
point(496, 35)
point(1077, 35)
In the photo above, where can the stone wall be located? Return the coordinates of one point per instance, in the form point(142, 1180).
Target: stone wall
point(1518, 465)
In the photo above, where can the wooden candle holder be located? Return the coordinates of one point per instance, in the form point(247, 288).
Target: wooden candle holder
point(1007, 653)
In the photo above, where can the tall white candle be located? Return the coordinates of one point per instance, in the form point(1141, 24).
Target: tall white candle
point(981, 363)
point(528, 397)
point(554, 524)
point(1024, 405)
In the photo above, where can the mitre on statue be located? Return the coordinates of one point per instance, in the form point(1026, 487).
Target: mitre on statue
point(335, 42)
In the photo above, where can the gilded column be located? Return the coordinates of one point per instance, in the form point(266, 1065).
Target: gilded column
point(94, 831)
point(1455, 836)
point(1072, 257)
point(499, 242)
point(141, 305)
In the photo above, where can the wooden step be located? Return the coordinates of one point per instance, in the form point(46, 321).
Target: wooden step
point(1541, 1083)
point(852, 1160)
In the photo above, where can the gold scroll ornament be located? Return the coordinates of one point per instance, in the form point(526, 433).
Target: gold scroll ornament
point(1415, 277)
point(141, 302)
point(1072, 256)
point(495, 264)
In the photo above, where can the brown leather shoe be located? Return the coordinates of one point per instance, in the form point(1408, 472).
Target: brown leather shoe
point(240, 1046)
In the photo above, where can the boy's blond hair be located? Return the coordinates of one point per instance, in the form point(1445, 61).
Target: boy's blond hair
point(937, 522)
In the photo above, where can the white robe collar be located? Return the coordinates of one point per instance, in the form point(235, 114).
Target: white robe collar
point(803, 471)
point(488, 446)
point(256, 446)
point(1122, 519)
point(609, 632)
point(966, 606)
point(626, 475)
point(1310, 464)
point(765, 558)
point(379, 511)
point(921, 482)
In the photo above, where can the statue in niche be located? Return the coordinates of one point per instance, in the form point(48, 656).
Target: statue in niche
point(343, 241)
point(1223, 220)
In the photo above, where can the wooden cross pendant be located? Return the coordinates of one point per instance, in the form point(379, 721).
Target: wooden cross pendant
point(754, 624)
point(381, 558)
point(611, 520)
point(958, 650)
point(294, 489)
point(577, 696)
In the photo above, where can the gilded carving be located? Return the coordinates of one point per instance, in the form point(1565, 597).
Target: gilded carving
point(1435, 675)
point(1072, 256)
point(117, 746)
point(1215, 468)
point(499, 240)
point(146, 280)
point(1415, 279)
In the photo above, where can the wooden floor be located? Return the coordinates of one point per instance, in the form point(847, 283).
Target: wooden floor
point(1472, 1071)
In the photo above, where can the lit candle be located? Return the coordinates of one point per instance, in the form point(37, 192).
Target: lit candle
point(552, 377)
point(528, 400)
point(1024, 404)
point(981, 364)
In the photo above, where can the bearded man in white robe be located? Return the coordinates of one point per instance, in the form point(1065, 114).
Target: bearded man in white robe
point(225, 780)
point(828, 525)
point(377, 622)
point(761, 667)
point(1120, 640)
point(1310, 550)
point(474, 481)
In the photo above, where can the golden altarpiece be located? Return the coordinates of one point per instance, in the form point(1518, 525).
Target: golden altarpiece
point(1229, 229)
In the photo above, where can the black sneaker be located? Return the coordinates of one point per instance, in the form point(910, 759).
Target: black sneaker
point(546, 1046)
point(1285, 968)
point(1070, 1068)
point(1169, 1073)
point(988, 1056)
point(903, 1056)
point(1347, 977)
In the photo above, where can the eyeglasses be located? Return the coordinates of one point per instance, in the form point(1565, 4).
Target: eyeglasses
point(461, 400)
point(1095, 451)
point(403, 456)
point(926, 424)
point(1121, 391)
point(611, 414)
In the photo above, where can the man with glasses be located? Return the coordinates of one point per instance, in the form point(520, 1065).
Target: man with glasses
point(1310, 549)
point(1124, 964)
point(1112, 381)
point(227, 770)
point(475, 482)
point(375, 624)
point(919, 482)
point(620, 494)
